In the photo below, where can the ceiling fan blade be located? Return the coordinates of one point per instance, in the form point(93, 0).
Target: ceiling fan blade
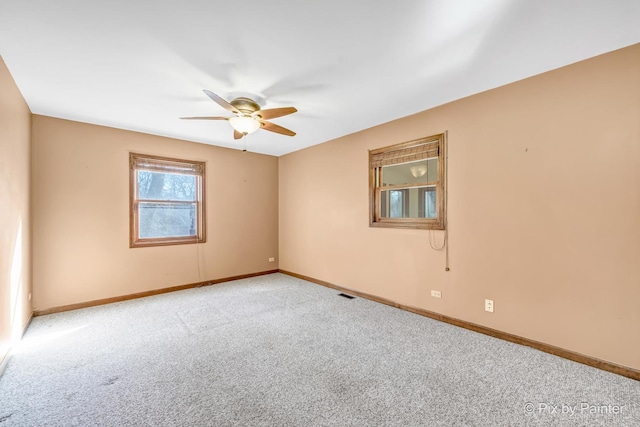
point(275, 128)
point(275, 112)
point(237, 135)
point(221, 101)
point(205, 118)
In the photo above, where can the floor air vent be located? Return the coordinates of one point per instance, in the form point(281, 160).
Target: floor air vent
point(346, 296)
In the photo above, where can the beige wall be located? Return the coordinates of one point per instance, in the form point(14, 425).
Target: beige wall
point(81, 215)
point(15, 212)
point(534, 223)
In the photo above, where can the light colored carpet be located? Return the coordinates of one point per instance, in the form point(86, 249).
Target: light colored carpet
point(279, 351)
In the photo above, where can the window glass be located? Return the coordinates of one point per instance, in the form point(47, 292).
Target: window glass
point(421, 171)
point(166, 186)
point(166, 220)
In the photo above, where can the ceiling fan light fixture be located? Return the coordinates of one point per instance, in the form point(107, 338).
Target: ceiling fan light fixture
point(244, 124)
point(418, 170)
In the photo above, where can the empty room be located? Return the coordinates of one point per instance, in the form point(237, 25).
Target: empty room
point(420, 213)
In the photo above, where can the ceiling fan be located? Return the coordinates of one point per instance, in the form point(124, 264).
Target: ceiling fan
point(248, 116)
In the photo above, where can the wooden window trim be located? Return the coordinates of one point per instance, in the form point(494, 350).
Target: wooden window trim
point(165, 164)
point(411, 151)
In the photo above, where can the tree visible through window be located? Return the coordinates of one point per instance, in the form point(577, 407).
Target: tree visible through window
point(167, 201)
point(395, 204)
point(406, 184)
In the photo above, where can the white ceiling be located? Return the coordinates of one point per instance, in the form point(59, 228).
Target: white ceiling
point(346, 65)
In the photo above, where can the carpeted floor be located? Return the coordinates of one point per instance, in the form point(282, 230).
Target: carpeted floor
point(278, 351)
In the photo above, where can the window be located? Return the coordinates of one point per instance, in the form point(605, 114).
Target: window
point(406, 184)
point(166, 201)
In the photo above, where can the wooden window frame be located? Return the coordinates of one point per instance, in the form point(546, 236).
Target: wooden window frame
point(144, 162)
point(406, 152)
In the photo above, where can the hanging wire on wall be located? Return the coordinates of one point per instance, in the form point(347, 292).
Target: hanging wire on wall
point(198, 261)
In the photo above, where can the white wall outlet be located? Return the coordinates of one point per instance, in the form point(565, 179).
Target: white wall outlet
point(436, 294)
point(272, 259)
point(488, 305)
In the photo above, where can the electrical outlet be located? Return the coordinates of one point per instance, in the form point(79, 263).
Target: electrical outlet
point(272, 259)
point(29, 296)
point(488, 305)
point(436, 294)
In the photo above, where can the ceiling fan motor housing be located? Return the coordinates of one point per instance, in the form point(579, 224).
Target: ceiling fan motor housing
point(245, 105)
